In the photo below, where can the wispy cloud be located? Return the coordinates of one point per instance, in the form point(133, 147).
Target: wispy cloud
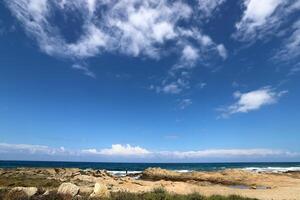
point(290, 49)
point(170, 86)
point(258, 18)
point(219, 153)
point(130, 27)
point(85, 70)
point(128, 151)
point(184, 103)
point(209, 7)
point(31, 149)
point(269, 19)
point(253, 100)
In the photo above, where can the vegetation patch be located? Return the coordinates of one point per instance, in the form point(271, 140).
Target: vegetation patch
point(158, 194)
point(28, 181)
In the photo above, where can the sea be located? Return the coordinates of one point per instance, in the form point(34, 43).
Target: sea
point(120, 169)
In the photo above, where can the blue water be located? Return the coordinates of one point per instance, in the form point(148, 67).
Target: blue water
point(141, 166)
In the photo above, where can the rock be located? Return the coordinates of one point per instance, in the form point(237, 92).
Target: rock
point(253, 187)
point(51, 171)
point(68, 188)
point(78, 197)
point(46, 193)
point(85, 178)
point(29, 191)
point(100, 190)
point(86, 189)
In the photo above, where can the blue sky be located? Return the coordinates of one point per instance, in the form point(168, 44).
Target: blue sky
point(156, 81)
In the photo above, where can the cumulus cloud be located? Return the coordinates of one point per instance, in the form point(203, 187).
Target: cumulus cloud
point(128, 151)
point(253, 100)
point(119, 150)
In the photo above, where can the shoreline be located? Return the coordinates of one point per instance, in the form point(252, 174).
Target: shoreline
point(260, 185)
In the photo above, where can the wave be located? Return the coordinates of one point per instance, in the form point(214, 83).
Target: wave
point(272, 169)
point(183, 171)
point(124, 173)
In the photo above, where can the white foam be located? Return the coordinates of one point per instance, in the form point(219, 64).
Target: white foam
point(123, 173)
point(183, 171)
point(272, 169)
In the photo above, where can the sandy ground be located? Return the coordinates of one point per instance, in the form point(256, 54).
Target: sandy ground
point(227, 182)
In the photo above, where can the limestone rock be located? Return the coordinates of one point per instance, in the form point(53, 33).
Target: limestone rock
point(68, 188)
point(29, 191)
point(100, 190)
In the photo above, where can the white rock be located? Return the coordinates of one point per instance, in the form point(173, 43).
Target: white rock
point(100, 190)
point(68, 188)
point(29, 191)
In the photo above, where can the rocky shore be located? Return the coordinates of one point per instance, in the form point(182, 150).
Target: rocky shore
point(100, 183)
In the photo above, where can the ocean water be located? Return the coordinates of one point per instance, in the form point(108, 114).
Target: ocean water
point(121, 168)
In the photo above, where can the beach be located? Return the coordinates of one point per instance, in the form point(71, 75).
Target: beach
point(245, 183)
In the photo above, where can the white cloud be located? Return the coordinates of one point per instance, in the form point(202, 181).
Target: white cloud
point(172, 88)
point(257, 11)
point(224, 153)
point(269, 19)
point(189, 55)
point(29, 148)
point(208, 7)
point(252, 100)
point(128, 151)
point(291, 46)
point(222, 51)
point(119, 150)
point(258, 16)
point(85, 70)
point(184, 103)
point(130, 27)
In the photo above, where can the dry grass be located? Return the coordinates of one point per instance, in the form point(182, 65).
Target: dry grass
point(158, 194)
point(28, 181)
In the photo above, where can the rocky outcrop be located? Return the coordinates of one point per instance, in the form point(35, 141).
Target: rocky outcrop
point(100, 190)
point(69, 189)
point(29, 191)
point(225, 177)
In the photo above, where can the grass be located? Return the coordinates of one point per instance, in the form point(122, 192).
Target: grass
point(158, 194)
point(28, 181)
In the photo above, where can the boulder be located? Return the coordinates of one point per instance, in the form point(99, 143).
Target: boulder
point(69, 189)
point(100, 190)
point(29, 191)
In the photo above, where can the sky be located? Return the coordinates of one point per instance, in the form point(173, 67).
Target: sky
point(150, 81)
